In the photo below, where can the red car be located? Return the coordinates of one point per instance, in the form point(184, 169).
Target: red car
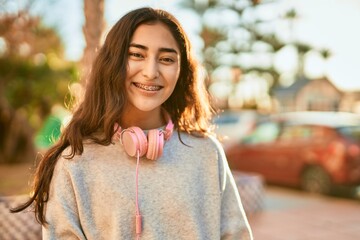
point(312, 150)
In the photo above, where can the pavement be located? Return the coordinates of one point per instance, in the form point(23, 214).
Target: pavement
point(17, 226)
point(294, 215)
point(279, 214)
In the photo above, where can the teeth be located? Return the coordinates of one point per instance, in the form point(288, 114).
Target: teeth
point(147, 87)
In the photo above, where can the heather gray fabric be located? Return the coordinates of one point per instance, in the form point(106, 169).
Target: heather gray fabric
point(189, 194)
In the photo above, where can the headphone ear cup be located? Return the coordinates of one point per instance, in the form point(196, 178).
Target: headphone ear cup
point(155, 144)
point(134, 140)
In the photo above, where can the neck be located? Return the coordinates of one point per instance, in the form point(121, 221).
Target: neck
point(144, 120)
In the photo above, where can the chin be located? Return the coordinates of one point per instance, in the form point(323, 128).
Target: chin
point(147, 108)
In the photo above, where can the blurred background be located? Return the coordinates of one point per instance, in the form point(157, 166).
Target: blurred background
point(283, 75)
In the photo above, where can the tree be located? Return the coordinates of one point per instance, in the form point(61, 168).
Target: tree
point(93, 30)
point(33, 77)
point(238, 39)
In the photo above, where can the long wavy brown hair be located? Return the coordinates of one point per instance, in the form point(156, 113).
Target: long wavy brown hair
point(105, 98)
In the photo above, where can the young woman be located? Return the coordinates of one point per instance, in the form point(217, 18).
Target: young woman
point(118, 171)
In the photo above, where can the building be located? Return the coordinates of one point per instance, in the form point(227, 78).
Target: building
point(315, 95)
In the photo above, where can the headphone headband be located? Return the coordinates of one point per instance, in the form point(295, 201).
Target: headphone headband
point(135, 141)
point(169, 127)
point(167, 131)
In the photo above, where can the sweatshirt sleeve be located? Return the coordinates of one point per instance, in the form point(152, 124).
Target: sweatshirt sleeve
point(61, 209)
point(234, 223)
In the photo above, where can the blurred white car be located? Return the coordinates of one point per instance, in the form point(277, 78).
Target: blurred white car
point(232, 126)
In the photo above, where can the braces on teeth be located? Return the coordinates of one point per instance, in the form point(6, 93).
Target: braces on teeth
point(148, 88)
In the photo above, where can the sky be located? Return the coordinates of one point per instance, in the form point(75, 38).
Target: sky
point(331, 24)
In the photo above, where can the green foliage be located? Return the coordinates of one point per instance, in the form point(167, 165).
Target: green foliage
point(34, 88)
point(33, 78)
point(238, 36)
point(220, 40)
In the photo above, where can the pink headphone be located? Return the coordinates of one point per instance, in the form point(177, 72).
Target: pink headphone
point(134, 139)
point(137, 144)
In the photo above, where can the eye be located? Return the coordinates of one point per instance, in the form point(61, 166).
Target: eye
point(167, 60)
point(135, 55)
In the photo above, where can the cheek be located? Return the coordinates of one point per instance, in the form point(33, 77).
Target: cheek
point(177, 73)
point(174, 78)
point(131, 68)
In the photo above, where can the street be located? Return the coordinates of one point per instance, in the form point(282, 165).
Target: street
point(286, 214)
point(294, 215)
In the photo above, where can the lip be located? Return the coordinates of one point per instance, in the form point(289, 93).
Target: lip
point(147, 87)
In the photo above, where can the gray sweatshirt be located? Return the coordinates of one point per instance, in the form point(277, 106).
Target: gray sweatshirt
point(188, 193)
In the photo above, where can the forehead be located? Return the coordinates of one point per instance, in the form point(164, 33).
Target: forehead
point(155, 35)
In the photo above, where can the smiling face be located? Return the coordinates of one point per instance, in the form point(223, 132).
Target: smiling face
point(153, 68)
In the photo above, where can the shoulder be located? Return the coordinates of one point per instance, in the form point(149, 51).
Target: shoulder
point(209, 148)
point(189, 144)
point(208, 141)
point(91, 152)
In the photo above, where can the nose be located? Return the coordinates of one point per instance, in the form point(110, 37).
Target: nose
point(151, 69)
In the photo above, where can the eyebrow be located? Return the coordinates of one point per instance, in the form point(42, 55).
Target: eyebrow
point(170, 50)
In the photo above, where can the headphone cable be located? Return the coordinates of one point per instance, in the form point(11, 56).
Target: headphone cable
point(137, 214)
